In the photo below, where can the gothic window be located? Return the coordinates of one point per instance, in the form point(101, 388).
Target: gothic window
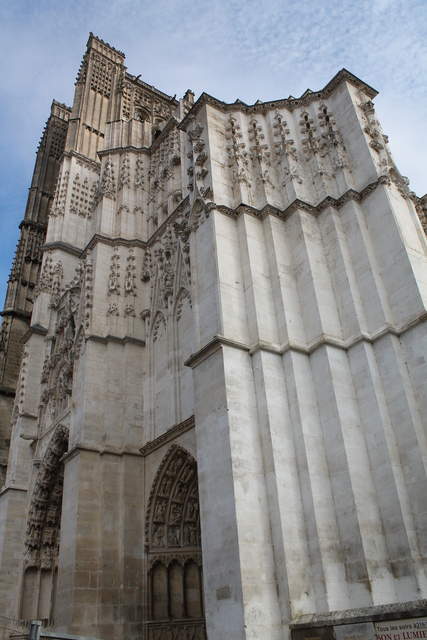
point(43, 532)
point(173, 547)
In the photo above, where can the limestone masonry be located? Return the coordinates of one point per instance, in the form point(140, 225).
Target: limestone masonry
point(213, 360)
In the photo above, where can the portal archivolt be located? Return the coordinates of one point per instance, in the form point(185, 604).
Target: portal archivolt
point(173, 547)
point(43, 532)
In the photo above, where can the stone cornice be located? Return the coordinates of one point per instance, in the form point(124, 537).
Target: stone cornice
point(396, 610)
point(24, 315)
point(111, 242)
point(218, 341)
point(62, 246)
point(168, 436)
point(114, 451)
point(33, 330)
point(7, 391)
point(42, 226)
point(316, 210)
point(140, 83)
point(110, 338)
point(90, 164)
point(290, 103)
point(212, 347)
point(12, 488)
point(171, 124)
point(92, 36)
point(123, 150)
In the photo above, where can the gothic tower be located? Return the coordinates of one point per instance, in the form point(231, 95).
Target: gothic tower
point(26, 267)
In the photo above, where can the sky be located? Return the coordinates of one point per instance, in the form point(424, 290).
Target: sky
point(247, 49)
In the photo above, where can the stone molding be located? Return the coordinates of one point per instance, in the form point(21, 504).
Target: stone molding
point(32, 224)
point(84, 161)
point(12, 488)
point(111, 338)
point(218, 341)
point(411, 609)
point(124, 149)
point(7, 391)
point(62, 246)
point(168, 436)
point(290, 103)
point(107, 450)
point(111, 242)
point(316, 210)
point(35, 329)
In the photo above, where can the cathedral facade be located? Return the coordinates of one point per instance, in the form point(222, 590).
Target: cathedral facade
point(214, 361)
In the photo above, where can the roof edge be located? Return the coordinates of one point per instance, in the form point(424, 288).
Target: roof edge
point(290, 103)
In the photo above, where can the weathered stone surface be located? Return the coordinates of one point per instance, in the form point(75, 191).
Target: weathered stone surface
point(219, 421)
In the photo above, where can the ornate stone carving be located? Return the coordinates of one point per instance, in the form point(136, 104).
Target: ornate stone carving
point(102, 74)
point(35, 238)
point(44, 517)
point(146, 266)
point(420, 207)
point(160, 319)
point(259, 153)
point(163, 175)
point(285, 150)
point(107, 185)
point(310, 143)
point(164, 253)
point(130, 275)
point(57, 275)
point(50, 280)
point(17, 262)
point(311, 147)
point(4, 333)
point(58, 207)
point(173, 505)
point(238, 157)
point(331, 139)
point(80, 198)
point(88, 287)
point(378, 140)
point(123, 208)
point(114, 276)
point(129, 311)
point(139, 174)
point(124, 179)
point(184, 294)
point(112, 309)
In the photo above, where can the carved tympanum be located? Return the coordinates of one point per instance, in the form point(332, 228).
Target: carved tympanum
point(173, 547)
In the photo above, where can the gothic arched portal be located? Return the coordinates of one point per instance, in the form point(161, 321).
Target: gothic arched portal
point(174, 554)
point(43, 531)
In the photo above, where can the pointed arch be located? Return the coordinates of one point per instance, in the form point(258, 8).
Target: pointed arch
point(158, 319)
point(173, 546)
point(182, 294)
point(45, 491)
point(43, 531)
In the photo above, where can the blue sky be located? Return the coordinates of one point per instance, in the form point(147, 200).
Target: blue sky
point(247, 49)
